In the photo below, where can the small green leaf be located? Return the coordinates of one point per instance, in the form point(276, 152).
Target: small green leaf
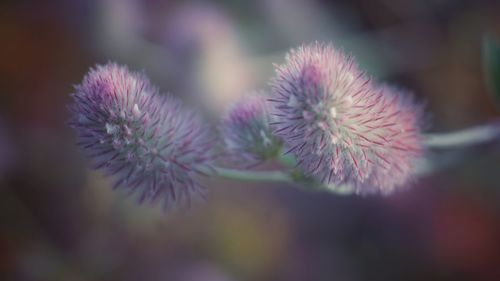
point(491, 64)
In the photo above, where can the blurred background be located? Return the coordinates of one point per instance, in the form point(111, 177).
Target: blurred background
point(59, 220)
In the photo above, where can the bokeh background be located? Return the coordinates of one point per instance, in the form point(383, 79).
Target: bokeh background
point(59, 220)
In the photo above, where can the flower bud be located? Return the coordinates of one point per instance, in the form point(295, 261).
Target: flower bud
point(342, 127)
point(246, 131)
point(151, 144)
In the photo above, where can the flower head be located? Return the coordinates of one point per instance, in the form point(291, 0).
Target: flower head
point(246, 133)
point(153, 146)
point(343, 128)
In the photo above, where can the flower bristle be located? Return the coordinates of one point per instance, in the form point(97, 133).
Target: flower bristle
point(246, 132)
point(150, 143)
point(343, 128)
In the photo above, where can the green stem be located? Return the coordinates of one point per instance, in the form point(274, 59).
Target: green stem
point(286, 160)
point(276, 176)
point(466, 137)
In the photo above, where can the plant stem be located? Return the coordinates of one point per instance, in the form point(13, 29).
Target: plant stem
point(276, 176)
point(286, 160)
point(465, 137)
point(462, 138)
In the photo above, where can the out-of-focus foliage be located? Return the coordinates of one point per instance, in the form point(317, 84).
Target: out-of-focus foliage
point(491, 61)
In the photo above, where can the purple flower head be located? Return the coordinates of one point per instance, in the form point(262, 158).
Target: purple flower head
point(246, 133)
point(342, 128)
point(153, 146)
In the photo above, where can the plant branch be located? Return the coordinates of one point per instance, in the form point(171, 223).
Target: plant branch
point(465, 137)
point(276, 176)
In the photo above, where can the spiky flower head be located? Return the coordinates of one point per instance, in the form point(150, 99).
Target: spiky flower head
point(343, 128)
point(153, 146)
point(246, 132)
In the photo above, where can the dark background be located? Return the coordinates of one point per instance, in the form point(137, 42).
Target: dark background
point(59, 220)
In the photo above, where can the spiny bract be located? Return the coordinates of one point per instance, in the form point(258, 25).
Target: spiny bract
point(154, 146)
point(246, 132)
point(343, 128)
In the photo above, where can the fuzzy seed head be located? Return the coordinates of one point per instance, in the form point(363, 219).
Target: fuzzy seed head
point(343, 128)
point(153, 146)
point(246, 131)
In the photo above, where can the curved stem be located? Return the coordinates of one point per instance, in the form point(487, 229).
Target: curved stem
point(466, 137)
point(275, 176)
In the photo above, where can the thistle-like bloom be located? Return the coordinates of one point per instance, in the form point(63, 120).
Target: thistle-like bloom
point(246, 132)
point(343, 128)
point(152, 145)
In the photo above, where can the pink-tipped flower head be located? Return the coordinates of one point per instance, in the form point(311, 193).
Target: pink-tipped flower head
point(154, 146)
point(342, 128)
point(246, 132)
